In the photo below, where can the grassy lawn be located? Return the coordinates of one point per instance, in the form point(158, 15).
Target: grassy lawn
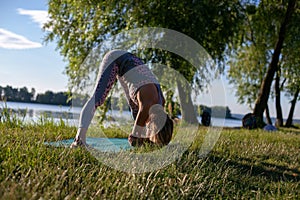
point(243, 165)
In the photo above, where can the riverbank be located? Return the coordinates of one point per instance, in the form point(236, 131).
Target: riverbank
point(242, 165)
point(33, 112)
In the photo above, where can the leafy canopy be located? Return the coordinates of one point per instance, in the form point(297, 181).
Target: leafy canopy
point(78, 26)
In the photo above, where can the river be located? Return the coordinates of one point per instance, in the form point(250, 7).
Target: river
point(34, 111)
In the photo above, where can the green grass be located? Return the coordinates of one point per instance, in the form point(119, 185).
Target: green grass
point(243, 165)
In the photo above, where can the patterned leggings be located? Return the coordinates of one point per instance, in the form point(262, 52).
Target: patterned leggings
point(116, 64)
point(106, 78)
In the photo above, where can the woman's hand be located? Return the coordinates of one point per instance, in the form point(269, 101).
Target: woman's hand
point(137, 142)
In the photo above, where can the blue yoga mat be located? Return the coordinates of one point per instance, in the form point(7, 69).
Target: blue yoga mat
point(100, 144)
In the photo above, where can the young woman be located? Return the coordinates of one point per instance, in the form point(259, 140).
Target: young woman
point(144, 96)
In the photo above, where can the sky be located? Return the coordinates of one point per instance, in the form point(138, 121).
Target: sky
point(25, 60)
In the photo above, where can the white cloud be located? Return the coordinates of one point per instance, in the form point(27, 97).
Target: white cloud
point(10, 40)
point(37, 16)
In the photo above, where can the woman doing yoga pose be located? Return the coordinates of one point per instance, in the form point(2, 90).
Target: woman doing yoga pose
point(143, 94)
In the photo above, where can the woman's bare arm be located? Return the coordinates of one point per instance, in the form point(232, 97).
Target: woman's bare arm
point(146, 96)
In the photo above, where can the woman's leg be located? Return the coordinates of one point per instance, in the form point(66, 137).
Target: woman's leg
point(106, 78)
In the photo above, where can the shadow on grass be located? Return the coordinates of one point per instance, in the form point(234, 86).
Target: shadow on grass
point(272, 172)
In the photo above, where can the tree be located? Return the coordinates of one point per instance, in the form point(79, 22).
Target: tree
point(45, 98)
point(32, 93)
point(59, 98)
point(250, 67)
point(1, 93)
point(246, 72)
point(289, 121)
point(262, 99)
point(49, 97)
point(292, 74)
point(291, 61)
point(249, 62)
point(278, 88)
point(9, 93)
point(24, 95)
point(79, 26)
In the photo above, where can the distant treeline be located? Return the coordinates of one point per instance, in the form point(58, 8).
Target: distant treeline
point(9, 93)
point(215, 111)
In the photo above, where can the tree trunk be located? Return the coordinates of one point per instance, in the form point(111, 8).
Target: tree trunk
point(188, 113)
point(268, 117)
point(263, 96)
point(279, 118)
point(289, 121)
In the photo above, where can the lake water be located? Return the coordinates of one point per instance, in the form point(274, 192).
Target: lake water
point(70, 115)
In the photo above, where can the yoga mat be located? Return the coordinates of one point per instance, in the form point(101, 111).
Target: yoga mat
point(100, 144)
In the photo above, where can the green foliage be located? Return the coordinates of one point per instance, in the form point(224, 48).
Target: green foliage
point(246, 72)
point(215, 111)
point(290, 57)
point(249, 63)
point(49, 97)
point(9, 93)
point(79, 26)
